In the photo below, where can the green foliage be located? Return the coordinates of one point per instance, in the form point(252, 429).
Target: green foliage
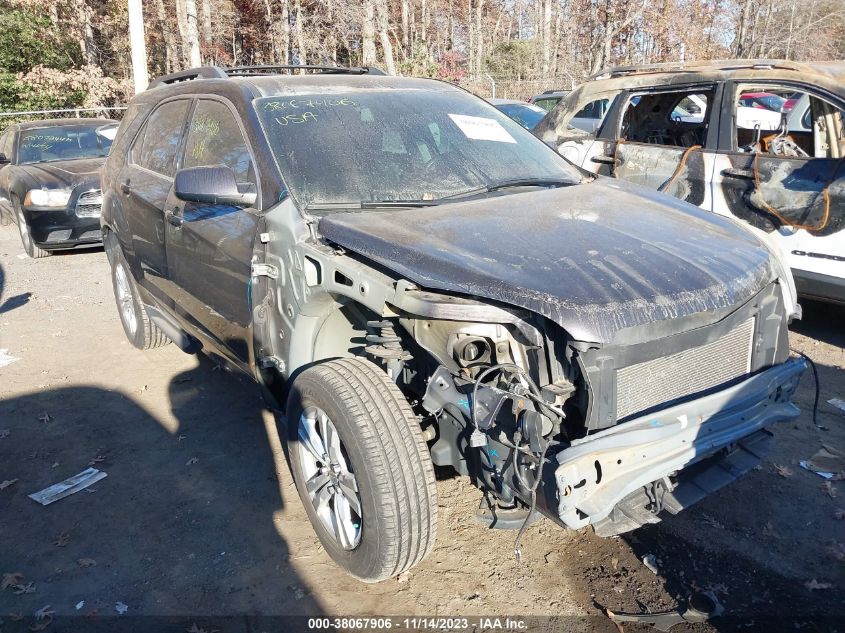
point(28, 39)
point(514, 58)
point(419, 64)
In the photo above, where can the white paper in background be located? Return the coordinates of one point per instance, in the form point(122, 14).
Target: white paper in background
point(481, 128)
point(5, 359)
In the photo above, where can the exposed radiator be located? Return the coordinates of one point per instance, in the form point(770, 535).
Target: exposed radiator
point(649, 384)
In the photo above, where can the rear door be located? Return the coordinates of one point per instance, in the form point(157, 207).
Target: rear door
point(788, 179)
point(146, 182)
point(209, 246)
point(662, 139)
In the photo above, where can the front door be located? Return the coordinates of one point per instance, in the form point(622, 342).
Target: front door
point(661, 139)
point(209, 246)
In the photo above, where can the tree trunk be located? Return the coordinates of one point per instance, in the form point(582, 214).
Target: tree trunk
point(300, 33)
point(479, 36)
point(86, 33)
point(171, 54)
point(192, 37)
point(386, 45)
point(547, 36)
point(285, 32)
point(368, 45)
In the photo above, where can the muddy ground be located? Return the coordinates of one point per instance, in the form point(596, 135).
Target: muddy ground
point(198, 520)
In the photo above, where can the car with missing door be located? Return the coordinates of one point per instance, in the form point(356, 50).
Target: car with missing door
point(745, 152)
point(417, 281)
point(50, 181)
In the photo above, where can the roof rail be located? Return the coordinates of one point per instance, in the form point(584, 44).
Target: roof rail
point(261, 70)
point(203, 72)
point(217, 72)
point(679, 67)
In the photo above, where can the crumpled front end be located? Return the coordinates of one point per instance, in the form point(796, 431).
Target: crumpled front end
point(626, 475)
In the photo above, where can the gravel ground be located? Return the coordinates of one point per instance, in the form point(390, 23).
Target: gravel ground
point(198, 522)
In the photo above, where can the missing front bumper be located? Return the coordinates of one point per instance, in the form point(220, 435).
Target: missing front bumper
point(616, 468)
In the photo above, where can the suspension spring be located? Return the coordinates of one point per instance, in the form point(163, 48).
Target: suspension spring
point(384, 343)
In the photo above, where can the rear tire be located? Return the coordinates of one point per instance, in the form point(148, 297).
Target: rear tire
point(139, 329)
point(380, 462)
point(29, 246)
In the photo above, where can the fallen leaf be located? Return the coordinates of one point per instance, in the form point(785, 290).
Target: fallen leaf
point(7, 483)
point(40, 625)
point(16, 617)
point(839, 514)
point(99, 459)
point(78, 606)
point(55, 465)
point(120, 608)
point(86, 562)
point(815, 584)
point(45, 417)
point(11, 579)
point(195, 629)
point(830, 489)
point(44, 612)
point(181, 437)
point(62, 539)
point(837, 551)
point(191, 461)
point(783, 471)
point(4, 433)
point(21, 589)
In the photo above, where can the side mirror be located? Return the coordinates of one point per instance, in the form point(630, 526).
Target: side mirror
point(211, 185)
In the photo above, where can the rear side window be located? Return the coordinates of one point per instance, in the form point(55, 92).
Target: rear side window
point(214, 138)
point(160, 140)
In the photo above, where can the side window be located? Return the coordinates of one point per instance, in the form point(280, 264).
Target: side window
point(214, 138)
point(156, 147)
point(782, 122)
point(678, 118)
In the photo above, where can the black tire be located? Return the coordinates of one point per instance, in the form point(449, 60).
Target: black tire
point(139, 329)
point(384, 446)
point(29, 246)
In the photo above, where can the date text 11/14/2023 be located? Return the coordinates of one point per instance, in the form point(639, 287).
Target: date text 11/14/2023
point(419, 623)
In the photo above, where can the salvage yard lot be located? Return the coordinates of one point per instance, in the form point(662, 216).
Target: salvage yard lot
point(198, 517)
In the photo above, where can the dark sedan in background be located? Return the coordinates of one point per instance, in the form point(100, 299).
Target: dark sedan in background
point(50, 181)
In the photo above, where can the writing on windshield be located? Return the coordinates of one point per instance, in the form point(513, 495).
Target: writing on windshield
point(64, 143)
point(399, 145)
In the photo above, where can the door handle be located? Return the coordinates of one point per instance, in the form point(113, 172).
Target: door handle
point(605, 160)
point(125, 188)
point(173, 219)
point(745, 174)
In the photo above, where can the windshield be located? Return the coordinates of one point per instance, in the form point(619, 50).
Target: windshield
point(400, 145)
point(526, 115)
point(65, 142)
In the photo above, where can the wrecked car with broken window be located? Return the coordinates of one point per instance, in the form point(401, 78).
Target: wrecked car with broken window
point(758, 140)
point(417, 281)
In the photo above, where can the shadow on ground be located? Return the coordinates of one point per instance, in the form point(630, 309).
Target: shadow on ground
point(211, 551)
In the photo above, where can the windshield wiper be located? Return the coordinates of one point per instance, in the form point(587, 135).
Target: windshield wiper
point(517, 182)
point(369, 204)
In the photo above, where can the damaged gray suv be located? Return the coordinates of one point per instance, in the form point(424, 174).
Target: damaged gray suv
point(417, 281)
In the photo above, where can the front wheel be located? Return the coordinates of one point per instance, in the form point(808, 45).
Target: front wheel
point(361, 468)
point(29, 245)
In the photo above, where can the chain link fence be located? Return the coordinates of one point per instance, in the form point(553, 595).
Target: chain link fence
point(8, 118)
point(508, 88)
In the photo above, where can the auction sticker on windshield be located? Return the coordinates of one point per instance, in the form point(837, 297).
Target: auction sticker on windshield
point(481, 128)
